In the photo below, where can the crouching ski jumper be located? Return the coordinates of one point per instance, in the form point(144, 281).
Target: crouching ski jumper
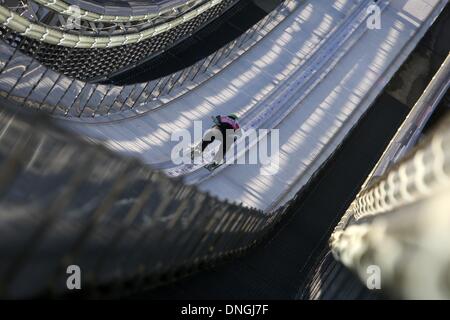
point(226, 129)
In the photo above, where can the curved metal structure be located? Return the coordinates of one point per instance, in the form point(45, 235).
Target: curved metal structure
point(147, 227)
point(70, 18)
point(92, 57)
point(399, 221)
point(109, 9)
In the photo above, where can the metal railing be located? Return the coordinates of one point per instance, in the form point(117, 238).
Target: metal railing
point(55, 36)
point(65, 202)
point(277, 105)
point(409, 132)
point(115, 11)
point(29, 83)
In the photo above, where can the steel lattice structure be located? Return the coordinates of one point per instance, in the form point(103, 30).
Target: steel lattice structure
point(400, 221)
